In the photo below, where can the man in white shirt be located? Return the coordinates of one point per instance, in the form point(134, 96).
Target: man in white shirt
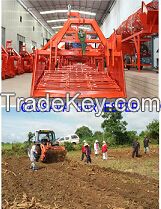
point(96, 148)
point(32, 153)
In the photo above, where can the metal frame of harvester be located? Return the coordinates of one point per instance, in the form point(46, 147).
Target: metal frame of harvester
point(60, 68)
point(137, 30)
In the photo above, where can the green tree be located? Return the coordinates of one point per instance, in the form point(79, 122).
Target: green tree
point(98, 135)
point(84, 132)
point(131, 135)
point(153, 131)
point(30, 137)
point(114, 127)
point(143, 134)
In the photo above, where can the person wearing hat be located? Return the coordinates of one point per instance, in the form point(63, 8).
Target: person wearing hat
point(96, 148)
point(83, 150)
point(88, 152)
point(32, 153)
point(104, 151)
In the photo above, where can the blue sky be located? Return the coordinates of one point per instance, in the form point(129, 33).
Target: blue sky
point(15, 126)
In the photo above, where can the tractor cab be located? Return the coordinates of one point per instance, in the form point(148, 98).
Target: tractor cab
point(45, 136)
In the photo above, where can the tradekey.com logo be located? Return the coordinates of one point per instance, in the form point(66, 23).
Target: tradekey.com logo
point(97, 106)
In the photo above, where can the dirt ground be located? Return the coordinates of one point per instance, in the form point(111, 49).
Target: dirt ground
point(74, 185)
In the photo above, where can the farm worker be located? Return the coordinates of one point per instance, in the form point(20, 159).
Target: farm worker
point(83, 150)
point(96, 148)
point(32, 153)
point(136, 147)
point(146, 145)
point(88, 153)
point(104, 151)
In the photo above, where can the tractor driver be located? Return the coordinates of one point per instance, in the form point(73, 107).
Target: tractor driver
point(45, 140)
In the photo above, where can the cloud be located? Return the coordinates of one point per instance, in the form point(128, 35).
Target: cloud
point(16, 126)
point(138, 121)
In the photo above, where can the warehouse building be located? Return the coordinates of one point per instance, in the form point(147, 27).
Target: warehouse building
point(29, 25)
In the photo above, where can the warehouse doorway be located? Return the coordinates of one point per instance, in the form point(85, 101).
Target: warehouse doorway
point(20, 41)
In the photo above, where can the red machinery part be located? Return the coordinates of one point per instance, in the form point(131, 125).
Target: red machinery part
point(26, 59)
point(8, 69)
point(146, 18)
point(4, 57)
point(51, 153)
point(12, 62)
point(14, 66)
point(137, 30)
point(14, 57)
point(61, 66)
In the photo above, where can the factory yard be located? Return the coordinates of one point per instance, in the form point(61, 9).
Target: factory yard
point(74, 185)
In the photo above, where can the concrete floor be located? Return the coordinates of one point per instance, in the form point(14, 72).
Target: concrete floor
point(142, 84)
point(135, 84)
point(20, 84)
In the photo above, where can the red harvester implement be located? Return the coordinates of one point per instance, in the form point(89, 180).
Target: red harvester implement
point(79, 59)
point(4, 57)
point(11, 62)
point(136, 31)
point(14, 60)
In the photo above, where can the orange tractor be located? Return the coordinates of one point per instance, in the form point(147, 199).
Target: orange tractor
point(48, 148)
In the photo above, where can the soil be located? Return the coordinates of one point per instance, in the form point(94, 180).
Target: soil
point(72, 185)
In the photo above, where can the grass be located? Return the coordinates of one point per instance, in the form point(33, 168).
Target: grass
point(6, 146)
point(120, 159)
point(15, 149)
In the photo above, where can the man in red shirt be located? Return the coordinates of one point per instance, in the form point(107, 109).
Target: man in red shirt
point(88, 153)
point(83, 150)
point(104, 150)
